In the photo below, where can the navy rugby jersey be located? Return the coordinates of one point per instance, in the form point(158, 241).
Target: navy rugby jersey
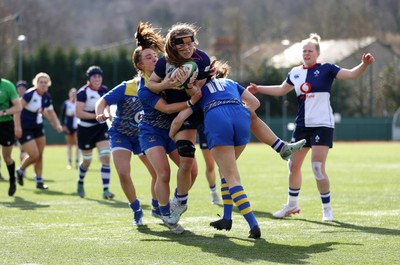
point(313, 86)
point(89, 96)
point(129, 108)
point(31, 115)
point(163, 68)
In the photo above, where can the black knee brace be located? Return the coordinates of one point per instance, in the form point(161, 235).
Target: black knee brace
point(185, 148)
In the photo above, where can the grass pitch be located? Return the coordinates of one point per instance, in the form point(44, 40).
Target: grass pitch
point(58, 227)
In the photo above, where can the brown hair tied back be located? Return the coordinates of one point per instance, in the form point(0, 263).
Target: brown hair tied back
point(146, 37)
point(222, 69)
point(149, 37)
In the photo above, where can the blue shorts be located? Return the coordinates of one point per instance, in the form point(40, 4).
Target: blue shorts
point(227, 125)
point(88, 137)
point(314, 136)
point(121, 141)
point(150, 137)
point(31, 134)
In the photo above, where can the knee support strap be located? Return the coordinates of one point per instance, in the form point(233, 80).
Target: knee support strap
point(185, 148)
point(87, 156)
point(104, 152)
point(316, 168)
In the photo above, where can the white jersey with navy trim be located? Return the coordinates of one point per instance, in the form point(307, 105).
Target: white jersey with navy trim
point(31, 115)
point(89, 97)
point(313, 86)
point(68, 117)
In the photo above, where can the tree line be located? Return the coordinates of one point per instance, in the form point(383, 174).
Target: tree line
point(67, 69)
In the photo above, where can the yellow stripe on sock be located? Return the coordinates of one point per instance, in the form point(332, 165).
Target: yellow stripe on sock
point(225, 192)
point(246, 211)
point(228, 202)
point(240, 202)
point(237, 194)
point(224, 185)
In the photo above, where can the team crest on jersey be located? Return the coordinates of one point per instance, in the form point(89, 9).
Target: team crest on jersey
point(305, 87)
point(316, 73)
point(138, 116)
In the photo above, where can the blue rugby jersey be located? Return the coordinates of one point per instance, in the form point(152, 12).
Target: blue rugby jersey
point(129, 107)
point(31, 115)
point(152, 116)
point(89, 97)
point(313, 86)
point(220, 91)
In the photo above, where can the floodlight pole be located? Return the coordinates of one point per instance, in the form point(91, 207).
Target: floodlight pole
point(21, 39)
point(285, 103)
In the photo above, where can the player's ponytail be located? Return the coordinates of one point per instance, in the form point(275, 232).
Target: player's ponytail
point(146, 37)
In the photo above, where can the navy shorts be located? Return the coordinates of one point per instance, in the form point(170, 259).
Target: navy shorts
point(7, 136)
point(202, 137)
point(71, 129)
point(88, 137)
point(31, 134)
point(193, 121)
point(314, 136)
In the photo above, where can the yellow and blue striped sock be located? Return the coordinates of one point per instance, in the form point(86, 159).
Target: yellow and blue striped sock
point(227, 200)
point(242, 202)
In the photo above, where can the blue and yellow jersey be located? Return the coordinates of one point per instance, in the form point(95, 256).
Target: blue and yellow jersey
point(129, 108)
point(149, 99)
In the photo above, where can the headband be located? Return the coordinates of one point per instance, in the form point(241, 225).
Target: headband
point(184, 40)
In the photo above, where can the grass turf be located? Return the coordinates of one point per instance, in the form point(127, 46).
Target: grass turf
point(58, 227)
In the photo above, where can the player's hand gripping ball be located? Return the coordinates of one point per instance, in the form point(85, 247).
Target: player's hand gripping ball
point(192, 70)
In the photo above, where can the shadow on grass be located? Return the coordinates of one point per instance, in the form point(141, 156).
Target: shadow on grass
point(365, 229)
point(334, 224)
point(109, 203)
point(258, 214)
point(22, 204)
point(224, 246)
point(116, 204)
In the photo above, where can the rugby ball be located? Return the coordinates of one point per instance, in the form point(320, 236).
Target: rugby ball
point(193, 70)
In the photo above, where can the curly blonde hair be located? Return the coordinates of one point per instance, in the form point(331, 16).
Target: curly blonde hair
point(40, 75)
